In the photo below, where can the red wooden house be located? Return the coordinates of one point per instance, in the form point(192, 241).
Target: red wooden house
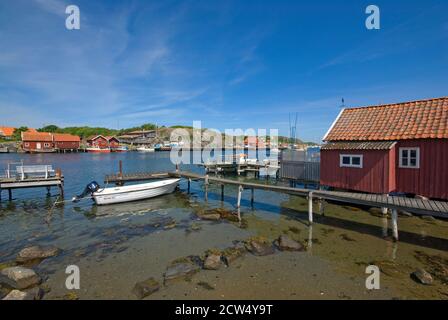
point(37, 142)
point(103, 142)
point(381, 149)
point(65, 141)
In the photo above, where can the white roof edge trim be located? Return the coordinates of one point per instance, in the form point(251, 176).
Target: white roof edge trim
point(333, 124)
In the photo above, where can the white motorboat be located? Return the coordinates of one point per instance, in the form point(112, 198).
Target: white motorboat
point(126, 193)
point(145, 149)
point(134, 192)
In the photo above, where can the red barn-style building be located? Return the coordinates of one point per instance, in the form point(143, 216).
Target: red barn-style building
point(389, 148)
point(65, 141)
point(103, 142)
point(37, 142)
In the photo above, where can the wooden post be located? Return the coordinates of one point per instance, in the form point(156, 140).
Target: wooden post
point(384, 210)
point(120, 165)
point(395, 224)
point(48, 191)
point(10, 194)
point(321, 207)
point(189, 183)
point(240, 190)
point(252, 197)
point(206, 187)
point(310, 207)
point(222, 192)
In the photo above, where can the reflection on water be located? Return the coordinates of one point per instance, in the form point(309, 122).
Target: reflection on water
point(145, 236)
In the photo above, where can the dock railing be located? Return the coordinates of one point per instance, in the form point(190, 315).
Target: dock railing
point(300, 170)
point(18, 171)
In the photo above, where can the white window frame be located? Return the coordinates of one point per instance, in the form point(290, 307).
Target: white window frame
point(409, 149)
point(351, 165)
point(46, 145)
point(27, 144)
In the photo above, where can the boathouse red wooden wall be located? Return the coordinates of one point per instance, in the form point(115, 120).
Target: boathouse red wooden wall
point(376, 175)
point(431, 179)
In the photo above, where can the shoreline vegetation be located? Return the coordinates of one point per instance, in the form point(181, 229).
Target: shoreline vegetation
point(163, 133)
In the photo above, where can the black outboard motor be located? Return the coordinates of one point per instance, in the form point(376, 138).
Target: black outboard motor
point(89, 190)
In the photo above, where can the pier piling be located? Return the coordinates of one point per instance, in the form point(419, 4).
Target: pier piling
point(252, 197)
point(395, 224)
point(310, 207)
point(222, 192)
point(240, 190)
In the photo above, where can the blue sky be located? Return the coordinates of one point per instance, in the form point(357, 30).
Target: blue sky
point(231, 64)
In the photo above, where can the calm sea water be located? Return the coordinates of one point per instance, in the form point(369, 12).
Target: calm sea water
point(118, 245)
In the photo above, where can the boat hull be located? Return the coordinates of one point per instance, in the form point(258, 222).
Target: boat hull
point(135, 192)
point(98, 150)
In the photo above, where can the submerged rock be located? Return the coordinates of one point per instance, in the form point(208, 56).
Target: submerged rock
point(229, 255)
point(259, 247)
point(181, 270)
point(212, 262)
point(211, 216)
point(36, 253)
point(285, 243)
point(145, 288)
point(19, 277)
point(31, 294)
point(422, 276)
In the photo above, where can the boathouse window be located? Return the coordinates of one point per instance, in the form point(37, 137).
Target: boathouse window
point(27, 144)
point(46, 144)
point(409, 158)
point(350, 160)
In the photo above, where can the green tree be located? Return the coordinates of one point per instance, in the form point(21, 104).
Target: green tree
point(17, 134)
point(49, 128)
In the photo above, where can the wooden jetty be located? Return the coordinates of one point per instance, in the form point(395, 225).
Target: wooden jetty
point(36, 176)
point(393, 203)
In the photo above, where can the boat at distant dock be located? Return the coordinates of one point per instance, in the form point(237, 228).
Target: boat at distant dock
point(98, 150)
point(120, 149)
point(145, 149)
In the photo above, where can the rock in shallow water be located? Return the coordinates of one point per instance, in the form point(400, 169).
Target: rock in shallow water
point(211, 216)
point(145, 288)
point(422, 276)
point(180, 270)
point(32, 294)
point(212, 262)
point(36, 253)
point(285, 243)
point(19, 277)
point(259, 247)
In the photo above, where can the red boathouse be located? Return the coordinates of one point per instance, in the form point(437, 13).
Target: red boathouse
point(381, 149)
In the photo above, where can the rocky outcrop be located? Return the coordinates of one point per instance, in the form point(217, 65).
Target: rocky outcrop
point(36, 253)
point(180, 270)
point(259, 247)
point(31, 294)
point(285, 243)
point(422, 276)
point(145, 288)
point(212, 261)
point(229, 255)
point(211, 216)
point(19, 277)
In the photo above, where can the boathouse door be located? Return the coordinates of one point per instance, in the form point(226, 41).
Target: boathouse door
point(38, 146)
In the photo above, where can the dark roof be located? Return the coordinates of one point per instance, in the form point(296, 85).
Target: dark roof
point(359, 145)
point(421, 119)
